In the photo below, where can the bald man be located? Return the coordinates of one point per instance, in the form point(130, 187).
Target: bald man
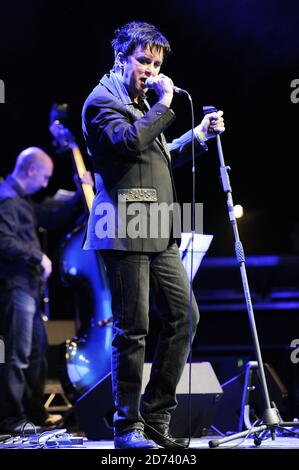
point(23, 266)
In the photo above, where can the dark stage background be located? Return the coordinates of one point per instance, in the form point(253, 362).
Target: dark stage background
point(239, 55)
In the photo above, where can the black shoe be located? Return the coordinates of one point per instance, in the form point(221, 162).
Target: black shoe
point(21, 427)
point(159, 432)
point(133, 440)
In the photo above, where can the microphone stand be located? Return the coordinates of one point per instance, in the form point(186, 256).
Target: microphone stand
point(271, 418)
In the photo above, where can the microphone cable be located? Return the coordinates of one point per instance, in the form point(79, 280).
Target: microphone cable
point(191, 267)
point(193, 212)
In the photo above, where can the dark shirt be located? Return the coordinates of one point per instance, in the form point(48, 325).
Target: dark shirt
point(20, 249)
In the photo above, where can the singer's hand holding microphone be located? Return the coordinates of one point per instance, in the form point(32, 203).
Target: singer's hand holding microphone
point(212, 123)
point(153, 82)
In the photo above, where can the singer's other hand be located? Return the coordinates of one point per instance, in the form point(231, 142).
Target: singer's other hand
point(211, 125)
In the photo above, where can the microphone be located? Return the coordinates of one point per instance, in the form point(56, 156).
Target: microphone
point(149, 84)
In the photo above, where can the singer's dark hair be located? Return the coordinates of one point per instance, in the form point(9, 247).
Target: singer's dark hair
point(136, 33)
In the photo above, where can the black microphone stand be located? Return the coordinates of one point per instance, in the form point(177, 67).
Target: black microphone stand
point(271, 418)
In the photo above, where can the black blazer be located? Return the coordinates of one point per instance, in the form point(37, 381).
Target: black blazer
point(132, 164)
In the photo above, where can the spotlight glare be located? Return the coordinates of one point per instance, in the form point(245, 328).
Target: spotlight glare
point(238, 210)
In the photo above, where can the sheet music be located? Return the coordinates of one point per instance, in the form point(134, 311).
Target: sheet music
point(201, 244)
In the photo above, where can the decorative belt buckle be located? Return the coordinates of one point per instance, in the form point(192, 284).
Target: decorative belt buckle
point(137, 195)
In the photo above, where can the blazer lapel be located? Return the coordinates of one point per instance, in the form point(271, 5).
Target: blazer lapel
point(161, 141)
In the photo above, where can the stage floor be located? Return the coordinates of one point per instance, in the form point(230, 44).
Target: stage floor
point(89, 454)
point(75, 441)
point(203, 443)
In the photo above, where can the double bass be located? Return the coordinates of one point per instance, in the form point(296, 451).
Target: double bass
point(87, 358)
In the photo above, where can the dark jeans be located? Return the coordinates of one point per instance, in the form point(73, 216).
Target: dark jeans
point(23, 375)
point(129, 275)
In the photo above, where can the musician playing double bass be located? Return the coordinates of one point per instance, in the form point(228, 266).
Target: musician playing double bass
point(23, 268)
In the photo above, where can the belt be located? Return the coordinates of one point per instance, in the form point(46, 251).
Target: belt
point(137, 194)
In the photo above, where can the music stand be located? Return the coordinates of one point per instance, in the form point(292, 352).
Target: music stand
point(201, 244)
